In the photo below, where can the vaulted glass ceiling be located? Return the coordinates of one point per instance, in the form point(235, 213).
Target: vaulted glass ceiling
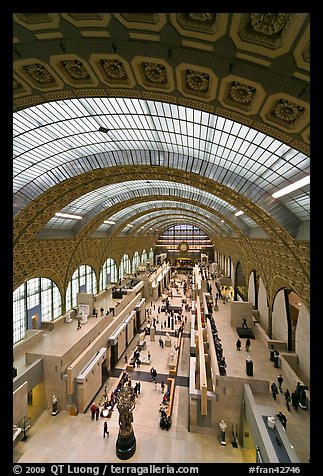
point(151, 220)
point(59, 140)
point(92, 203)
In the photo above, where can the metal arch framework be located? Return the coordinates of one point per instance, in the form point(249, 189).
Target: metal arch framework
point(103, 198)
point(189, 218)
point(140, 200)
point(149, 209)
point(146, 218)
point(61, 195)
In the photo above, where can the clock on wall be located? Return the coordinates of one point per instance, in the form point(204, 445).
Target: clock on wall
point(183, 246)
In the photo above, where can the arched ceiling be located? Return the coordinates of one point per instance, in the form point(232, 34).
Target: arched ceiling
point(115, 113)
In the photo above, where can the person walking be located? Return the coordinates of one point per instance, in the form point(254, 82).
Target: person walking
point(280, 382)
point(287, 399)
point(78, 324)
point(92, 410)
point(105, 429)
point(282, 418)
point(162, 385)
point(238, 344)
point(274, 390)
point(248, 343)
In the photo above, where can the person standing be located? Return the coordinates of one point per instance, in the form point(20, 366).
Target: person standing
point(276, 361)
point(272, 353)
point(238, 344)
point(78, 324)
point(248, 343)
point(295, 400)
point(280, 382)
point(105, 429)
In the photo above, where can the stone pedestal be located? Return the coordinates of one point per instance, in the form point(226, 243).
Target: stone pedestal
point(126, 445)
point(249, 368)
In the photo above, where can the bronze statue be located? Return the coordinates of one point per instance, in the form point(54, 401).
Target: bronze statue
point(126, 402)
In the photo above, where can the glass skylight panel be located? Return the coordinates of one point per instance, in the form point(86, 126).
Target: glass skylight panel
point(60, 223)
point(220, 123)
point(72, 128)
point(300, 206)
point(299, 160)
point(251, 135)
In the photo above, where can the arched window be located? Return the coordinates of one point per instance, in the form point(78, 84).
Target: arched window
point(109, 274)
point(144, 257)
point(135, 261)
point(241, 282)
point(35, 301)
point(151, 257)
point(83, 281)
point(125, 266)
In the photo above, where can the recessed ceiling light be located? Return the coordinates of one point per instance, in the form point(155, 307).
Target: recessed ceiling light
point(294, 186)
point(103, 129)
point(68, 215)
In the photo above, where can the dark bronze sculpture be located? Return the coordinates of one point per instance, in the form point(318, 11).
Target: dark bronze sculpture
point(126, 442)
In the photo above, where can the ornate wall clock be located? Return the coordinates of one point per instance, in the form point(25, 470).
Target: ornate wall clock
point(183, 247)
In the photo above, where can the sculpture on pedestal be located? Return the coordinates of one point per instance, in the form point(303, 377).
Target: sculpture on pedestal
point(126, 442)
point(223, 427)
point(54, 406)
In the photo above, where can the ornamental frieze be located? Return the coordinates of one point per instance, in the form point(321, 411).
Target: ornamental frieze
point(239, 95)
point(197, 81)
point(285, 114)
point(288, 111)
point(114, 69)
point(202, 16)
point(306, 53)
point(16, 85)
point(266, 29)
point(242, 93)
point(39, 73)
point(203, 22)
point(155, 73)
point(269, 23)
point(75, 69)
